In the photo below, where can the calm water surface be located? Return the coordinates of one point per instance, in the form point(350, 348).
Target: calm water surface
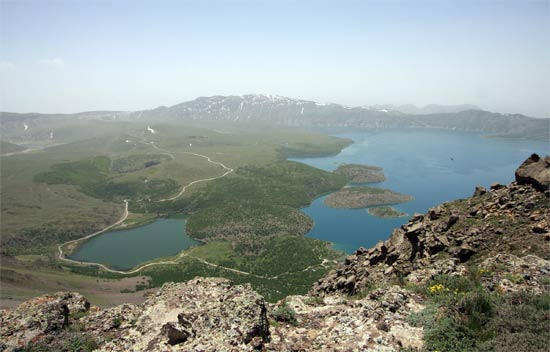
point(124, 249)
point(433, 166)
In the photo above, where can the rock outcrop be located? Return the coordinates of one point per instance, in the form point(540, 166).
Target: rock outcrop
point(376, 322)
point(38, 319)
point(535, 171)
point(199, 315)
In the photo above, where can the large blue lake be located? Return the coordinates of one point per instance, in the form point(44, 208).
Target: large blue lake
point(432, 165)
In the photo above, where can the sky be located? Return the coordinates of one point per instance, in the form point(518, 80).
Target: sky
point(71, 56)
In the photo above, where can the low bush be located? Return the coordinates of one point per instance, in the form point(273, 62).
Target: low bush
point(285, 314)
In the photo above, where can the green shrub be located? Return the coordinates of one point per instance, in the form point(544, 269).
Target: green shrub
point(516, 279)
point(66, 341)
point(81, 343)
point(116, 322)
point(477, 308)
point(92, 178)
point(314, 301)
point(449, 335)
point(454, 283)
point(285, 314)
point(520, 324)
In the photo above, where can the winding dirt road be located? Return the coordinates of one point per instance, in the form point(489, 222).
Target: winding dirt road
point(182, 254)
point(121, 220)
point(61, 256)
point(228, 170)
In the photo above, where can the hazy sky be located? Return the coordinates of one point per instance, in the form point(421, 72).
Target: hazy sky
point(69, 56)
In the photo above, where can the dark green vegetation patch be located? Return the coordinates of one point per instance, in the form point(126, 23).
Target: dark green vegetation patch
point(303, 150)
point(137, 162)
point(92, 177)
point(255, 200)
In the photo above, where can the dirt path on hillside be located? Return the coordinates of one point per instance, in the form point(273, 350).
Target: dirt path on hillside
point(61, 255)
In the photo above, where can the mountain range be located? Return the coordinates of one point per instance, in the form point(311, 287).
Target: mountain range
point(272, 109)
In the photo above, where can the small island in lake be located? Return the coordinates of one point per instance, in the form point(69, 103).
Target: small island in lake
point(386, 212)
point(363, 197)
point(361, 173)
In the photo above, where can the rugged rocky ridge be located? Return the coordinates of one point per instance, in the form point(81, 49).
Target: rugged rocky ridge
point(365, 304)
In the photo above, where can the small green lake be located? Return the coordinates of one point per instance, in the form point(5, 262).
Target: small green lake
point(124, 249)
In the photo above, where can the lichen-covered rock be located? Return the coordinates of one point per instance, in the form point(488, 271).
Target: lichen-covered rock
point(199, 315)
point(38, 318)
point(509, 273)
point(373, 323)
point(107, 324)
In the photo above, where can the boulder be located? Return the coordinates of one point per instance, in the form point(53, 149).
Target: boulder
point(463, 253)
point(176, 333)
point(535, 171)
point(479, 191)
point(451, 221)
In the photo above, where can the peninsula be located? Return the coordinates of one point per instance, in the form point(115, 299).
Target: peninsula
point(363, 197)
point(361, 173)
point(386, 212)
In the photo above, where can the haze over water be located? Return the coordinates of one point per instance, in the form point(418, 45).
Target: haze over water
point(434, 166)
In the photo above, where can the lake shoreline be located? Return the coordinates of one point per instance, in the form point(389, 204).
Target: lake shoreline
point(128, 248)
point(431, 175)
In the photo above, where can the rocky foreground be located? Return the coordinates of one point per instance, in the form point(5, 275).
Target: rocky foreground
point(365, 304)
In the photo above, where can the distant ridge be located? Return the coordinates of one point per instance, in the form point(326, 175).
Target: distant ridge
point(428, 109)
point(274, 109)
